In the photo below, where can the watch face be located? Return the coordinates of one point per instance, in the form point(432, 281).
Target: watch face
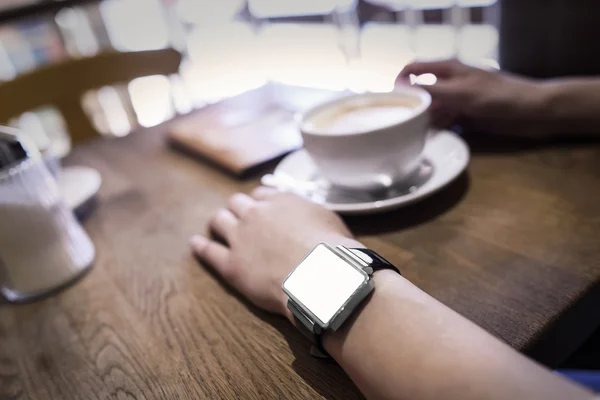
point(323, 283)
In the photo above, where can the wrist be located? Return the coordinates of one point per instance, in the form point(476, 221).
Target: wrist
point(519, 107)
point(537, 108)
point(555, 106)
point(334, 342)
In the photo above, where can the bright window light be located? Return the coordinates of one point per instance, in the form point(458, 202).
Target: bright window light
point(135, 25)
point(151, 99)
point(415, 4)
point(198, 11)
point(280, 8)
point(434, 42)
point(385, 49)
point(7, 69)
point(224, 60)
point(478, 42)
point(305, 55)
point(112, 107)
point(181, 96)
point(476, 3)
point(430, 4)
point(77, 31)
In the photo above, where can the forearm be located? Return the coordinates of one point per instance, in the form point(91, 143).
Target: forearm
point(403, 344)
point(568, 106)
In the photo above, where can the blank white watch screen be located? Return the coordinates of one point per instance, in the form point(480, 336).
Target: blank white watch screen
point(323, 282)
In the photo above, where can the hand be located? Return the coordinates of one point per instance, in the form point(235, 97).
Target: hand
point(265, 237)
point(489, 101)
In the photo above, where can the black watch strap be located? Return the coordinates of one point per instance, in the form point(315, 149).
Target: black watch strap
point(310, 330)
point(374, 260)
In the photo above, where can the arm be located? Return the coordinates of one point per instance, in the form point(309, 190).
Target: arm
point(402, 344)
point(571, 105)
point(510, 105)
point(406, 345)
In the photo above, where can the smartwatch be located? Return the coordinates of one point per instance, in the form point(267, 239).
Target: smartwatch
point(327, 286)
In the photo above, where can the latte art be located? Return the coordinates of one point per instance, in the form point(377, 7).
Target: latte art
point(345, 119)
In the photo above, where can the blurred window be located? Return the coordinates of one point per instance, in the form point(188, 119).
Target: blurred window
point(135, 25)
point(284, 8)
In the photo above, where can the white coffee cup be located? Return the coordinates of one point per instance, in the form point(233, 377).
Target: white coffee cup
point(368, 141)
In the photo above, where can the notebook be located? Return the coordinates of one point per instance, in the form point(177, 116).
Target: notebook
point(244, 132)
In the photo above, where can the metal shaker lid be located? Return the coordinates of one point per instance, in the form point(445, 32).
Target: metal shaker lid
point(12, 149)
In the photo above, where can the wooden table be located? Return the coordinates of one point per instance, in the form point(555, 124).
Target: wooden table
point(513, 245)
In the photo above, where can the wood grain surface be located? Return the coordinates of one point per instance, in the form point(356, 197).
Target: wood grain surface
point(512, 244)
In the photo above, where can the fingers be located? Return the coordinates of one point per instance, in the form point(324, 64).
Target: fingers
point(240, 204)
point(224, 223)
point(447, 92)
point(441, 69)
point(263, 193)
point(212, 253)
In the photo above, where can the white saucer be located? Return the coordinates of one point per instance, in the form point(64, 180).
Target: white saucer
point(445, 157)
point(78, 185)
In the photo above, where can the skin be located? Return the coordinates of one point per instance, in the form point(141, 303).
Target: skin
point(402, 343)
point(505, 104)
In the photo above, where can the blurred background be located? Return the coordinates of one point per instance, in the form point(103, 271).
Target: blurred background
point(230, 46)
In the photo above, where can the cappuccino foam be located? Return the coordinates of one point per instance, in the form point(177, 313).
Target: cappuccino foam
point(345, 119)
